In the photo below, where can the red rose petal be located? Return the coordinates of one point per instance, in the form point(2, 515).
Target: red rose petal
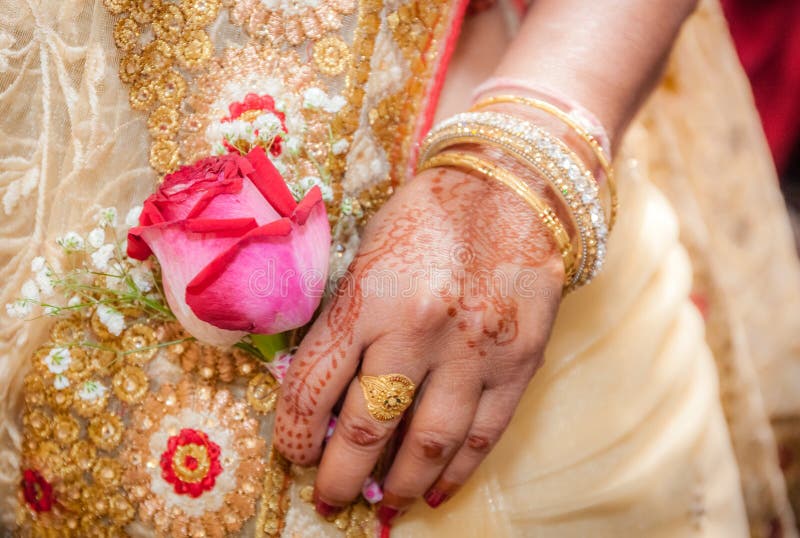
point(270, 183)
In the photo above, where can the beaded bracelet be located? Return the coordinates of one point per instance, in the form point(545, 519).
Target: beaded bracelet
point(546, 155)
point(596, 146)
point(544, 212)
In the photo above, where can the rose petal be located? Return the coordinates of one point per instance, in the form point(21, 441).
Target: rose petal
point(270, 281)
point(269, 182)
point(248, 202)
point(198, 241)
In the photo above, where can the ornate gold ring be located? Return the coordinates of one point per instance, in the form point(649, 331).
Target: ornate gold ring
point(388, 396)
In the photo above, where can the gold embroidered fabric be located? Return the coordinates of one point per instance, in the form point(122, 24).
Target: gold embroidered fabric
point(623, 428)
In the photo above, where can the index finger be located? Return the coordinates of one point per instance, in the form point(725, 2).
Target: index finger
point(322, 368)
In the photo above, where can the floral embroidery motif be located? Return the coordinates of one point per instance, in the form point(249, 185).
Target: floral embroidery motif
point(193, 459)
point(158, 70)
point(252, 122)
point(258, 96)
point(292, 21)
point(37, 491)
point(191, 462)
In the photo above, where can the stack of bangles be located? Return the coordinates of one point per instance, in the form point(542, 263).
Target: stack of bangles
point(547, 157)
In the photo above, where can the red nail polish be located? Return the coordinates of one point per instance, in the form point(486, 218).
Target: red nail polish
point(324, 509)
point(435, 497)
point(386, 514)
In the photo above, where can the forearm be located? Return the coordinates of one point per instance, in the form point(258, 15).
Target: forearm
point(607, 54)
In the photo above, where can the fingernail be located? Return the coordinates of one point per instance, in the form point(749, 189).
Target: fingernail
point(326, 510)
point(436, 497)
point(386, 514)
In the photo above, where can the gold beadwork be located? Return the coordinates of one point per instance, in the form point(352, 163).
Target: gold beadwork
point(107, 472)
point(388, 396)
point(199, 454)
point(169, 24)
point(65, 429)
point(199, 13)
point(163, 122)
point(66, 331)
point(105, 431)
point(296, 24)
point(262, 393)
point(130, 384)
point(156, 86)
point(115, 7)
point(126, 33)
point(274, 498)
point(164, 155)
point(194, 50)
point(331, 54)
point(138, 343)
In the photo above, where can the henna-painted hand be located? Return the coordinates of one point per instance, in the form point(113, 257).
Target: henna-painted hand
point(456, 286)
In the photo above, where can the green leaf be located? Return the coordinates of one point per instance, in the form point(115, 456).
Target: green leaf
point(269, 344)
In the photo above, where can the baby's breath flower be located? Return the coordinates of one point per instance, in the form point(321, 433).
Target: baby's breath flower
point(45, 282)
point(268, 126)
point(70, 242)
point(215, 132)
point(30, 291)
point(280, 166)
point(306, 183)
point(334, 104)
point(142, 278)
point(58, 360)
point(61, 382)
point(38, 263)
point(19, 309)
point(314, 98)
point(91, 390)
point(111, 318)
point(107, 216)
point(340, 146)
point(292, 144)
point(75, 300)
point(102, 256)
point(132, 218)
point(116, 283)
point(51, 310)
point(96, 238)
point(236, 130)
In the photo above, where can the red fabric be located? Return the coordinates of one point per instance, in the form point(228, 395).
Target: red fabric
point(768, 41)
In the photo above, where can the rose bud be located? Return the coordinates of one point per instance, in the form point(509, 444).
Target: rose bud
point(238, 255)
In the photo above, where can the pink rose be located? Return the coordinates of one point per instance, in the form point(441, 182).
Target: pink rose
point(238, 255)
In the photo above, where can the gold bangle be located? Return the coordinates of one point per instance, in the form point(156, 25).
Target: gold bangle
point(550, 157)
point(587, 263)
point(591, 141)
point(544, 212)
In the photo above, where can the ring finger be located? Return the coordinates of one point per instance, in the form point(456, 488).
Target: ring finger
point(359, 437)
point(439, 426)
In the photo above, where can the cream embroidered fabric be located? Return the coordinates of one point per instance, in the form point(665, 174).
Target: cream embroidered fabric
point(623, 432)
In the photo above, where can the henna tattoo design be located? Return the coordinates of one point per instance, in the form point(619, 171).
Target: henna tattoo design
point(482, 229)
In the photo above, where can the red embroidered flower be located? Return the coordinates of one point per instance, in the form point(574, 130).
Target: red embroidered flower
point(252, 106)
point(191, 462)
point(37, 491)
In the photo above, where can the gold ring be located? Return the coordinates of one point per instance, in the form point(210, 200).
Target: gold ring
point(388, 396)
